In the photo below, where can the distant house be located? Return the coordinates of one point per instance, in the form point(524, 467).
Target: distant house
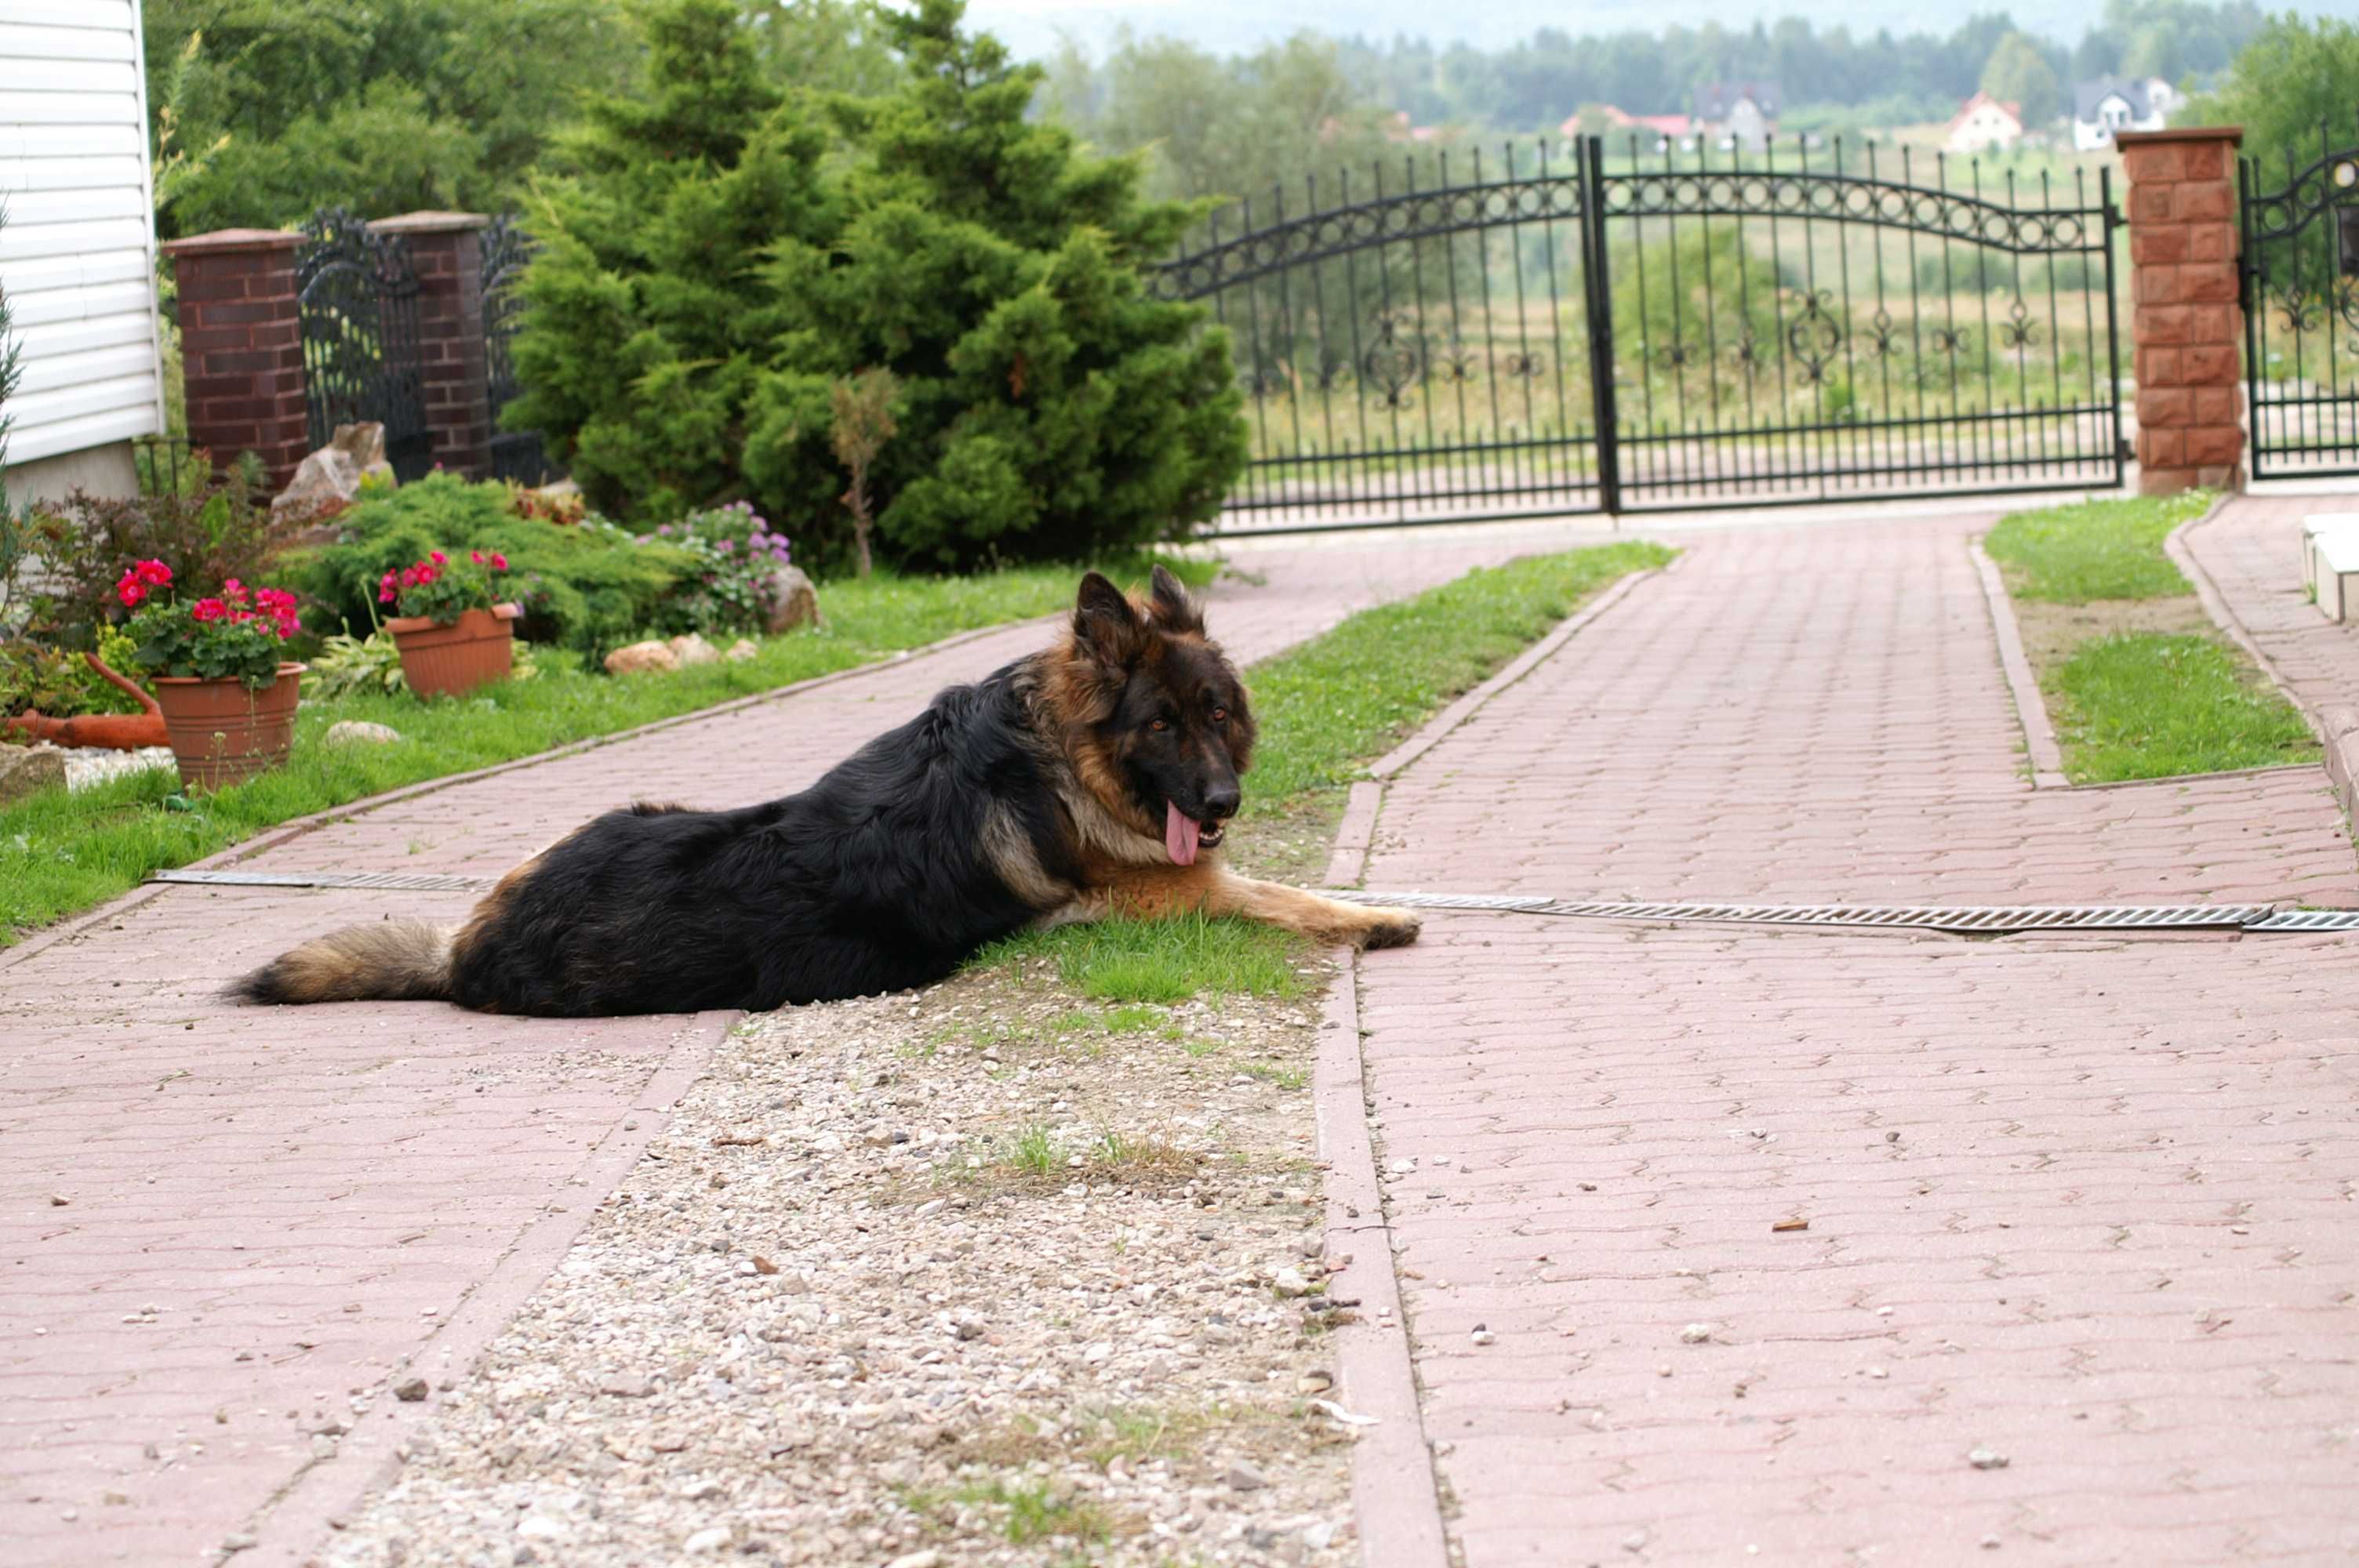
point(2110, 103)
point(1659, 130)
point(1737, 114)
point(1985, 124)
point(78, 249)
point(1403, 129)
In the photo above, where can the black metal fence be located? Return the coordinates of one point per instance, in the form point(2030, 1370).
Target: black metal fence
point(1578, 328)
point(516, 454)
point(357, 302)
point(2302, 312)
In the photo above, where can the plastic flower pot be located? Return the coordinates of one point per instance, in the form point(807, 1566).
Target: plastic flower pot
point(439, 660)
point(224, 732)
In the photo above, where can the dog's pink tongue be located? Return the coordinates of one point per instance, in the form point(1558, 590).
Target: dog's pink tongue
point(1180, 831)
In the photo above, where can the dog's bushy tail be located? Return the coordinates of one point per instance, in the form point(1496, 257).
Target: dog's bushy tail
point(392, 960)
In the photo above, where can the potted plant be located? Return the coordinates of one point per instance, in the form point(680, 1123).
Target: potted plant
point(228, 696)
point(453, 632)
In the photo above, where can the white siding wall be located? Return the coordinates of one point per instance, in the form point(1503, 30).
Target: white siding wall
point(78, 252)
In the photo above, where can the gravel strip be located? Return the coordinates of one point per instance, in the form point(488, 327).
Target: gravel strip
point(985, 1274)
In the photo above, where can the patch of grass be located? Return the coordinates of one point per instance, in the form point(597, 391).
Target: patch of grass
point(2095, 549)
point(2149, 705)
point(1107, 1021)
point(1143, 1158)
point(61, 853)
point(1035, 1513)
point(1162, 960)
point(1285, 1078)
point(1034, 1151)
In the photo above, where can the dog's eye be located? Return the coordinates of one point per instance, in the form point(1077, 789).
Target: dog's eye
point(1159, 726)
point(1220, 716)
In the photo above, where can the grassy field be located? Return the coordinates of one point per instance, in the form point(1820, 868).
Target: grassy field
point(1326, 709)
point(2137, 681)
point(61, 853)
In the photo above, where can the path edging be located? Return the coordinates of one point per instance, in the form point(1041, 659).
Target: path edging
point(1395, 1497)
point(2224, 615)
point(2030, 709)
point(292, 1525)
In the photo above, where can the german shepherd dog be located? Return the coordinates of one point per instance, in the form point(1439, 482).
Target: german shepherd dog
point(1094, 778)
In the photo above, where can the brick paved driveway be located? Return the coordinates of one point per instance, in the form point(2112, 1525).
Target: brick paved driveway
point(2081, 1202)
point(267, 1213)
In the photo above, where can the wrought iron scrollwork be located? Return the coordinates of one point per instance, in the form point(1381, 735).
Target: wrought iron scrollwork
point(2018, 330)
point(1814, 337)
point(1850, 199)
point(1880, 342)
point(1393, 361)
point(507, 250)
point(356, 309)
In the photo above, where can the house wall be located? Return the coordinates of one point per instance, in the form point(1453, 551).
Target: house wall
point(78, 249)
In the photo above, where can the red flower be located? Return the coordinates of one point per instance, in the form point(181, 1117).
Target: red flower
point(208, 610)
point(438, 558)
point(236, 616)
point(499, 562)
point(130, 593)
point(153, 572)
point(409, 576)
point(425, 576)
point(476, 556)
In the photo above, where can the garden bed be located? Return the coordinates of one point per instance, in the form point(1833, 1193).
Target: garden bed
point(2138, 682)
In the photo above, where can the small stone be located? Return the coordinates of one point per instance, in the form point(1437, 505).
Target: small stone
point(1990, 1543)
point(410, 1392)
point(323, 1447)
point(626, 1386)
point(641, 657)
point(239, 1543)
point(1662, 1371)
point(1260, 1537)
point(1291, 1282)
point(541, 1527)
point(1314, 1382)
point(1243, 1477)
point(740, 651)
point(969, 1328)
point(1320, 1536)
point(709, 1540)
point(762, 1265)
point(358, 731)
point(59, 1200)
point(114, 1499)
point(1696, 1334)
point(1484, 1336)
point(928, 1558)
point(1986, 1459)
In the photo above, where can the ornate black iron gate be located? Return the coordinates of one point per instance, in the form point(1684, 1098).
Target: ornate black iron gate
point(2302, 315)
point(516, 454)
point(358, 307)
point(1647, 330)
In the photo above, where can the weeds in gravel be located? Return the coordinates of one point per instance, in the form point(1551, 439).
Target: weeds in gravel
point(1034, 1151)
point(1035, 1513)
point(2142, 705)
point(1141, 1160)
point(2095, 549)
point(1285, 1078)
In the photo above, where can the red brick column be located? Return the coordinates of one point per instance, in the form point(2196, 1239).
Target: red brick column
point(242, 346)
point(446, 250)
point(2187, 324)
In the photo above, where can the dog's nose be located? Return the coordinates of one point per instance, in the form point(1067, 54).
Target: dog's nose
point(1222, 799)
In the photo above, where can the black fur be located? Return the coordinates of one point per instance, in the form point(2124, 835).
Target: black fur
point(873, 880)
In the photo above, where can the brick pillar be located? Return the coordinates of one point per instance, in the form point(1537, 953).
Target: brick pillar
point(2187, 324)
point(242, 346)
point(446, 249)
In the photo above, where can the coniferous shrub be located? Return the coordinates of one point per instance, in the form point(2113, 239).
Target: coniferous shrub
point(720, 257)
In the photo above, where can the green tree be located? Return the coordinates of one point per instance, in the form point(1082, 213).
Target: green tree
point(2019, 73)
point(715, 268)
point(2292, 89)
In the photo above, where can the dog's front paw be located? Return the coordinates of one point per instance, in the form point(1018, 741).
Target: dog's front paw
point(1390, 928)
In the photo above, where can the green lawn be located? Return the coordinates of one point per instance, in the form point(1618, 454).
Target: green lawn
point(61, 853)
point(2148, 704)
point(2095, 549)
point(1326, 709)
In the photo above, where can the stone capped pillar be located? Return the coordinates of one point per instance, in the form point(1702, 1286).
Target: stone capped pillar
point(2187, 323)
point(446, 252)
point(242, 346)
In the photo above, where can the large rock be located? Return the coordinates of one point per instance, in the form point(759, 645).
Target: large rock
point(692, 649)
point(24, 770)
point(640, 657)
point(326, 482)
point(361, 732)
point(788, 600)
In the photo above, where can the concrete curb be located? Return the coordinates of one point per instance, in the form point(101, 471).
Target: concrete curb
point(1395, 1499)
point(2215, 605)
point(2342, 726)
point(295, 827)
point(290, 1528)
point(2038, 732)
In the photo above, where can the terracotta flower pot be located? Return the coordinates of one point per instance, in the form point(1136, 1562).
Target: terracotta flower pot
point(449, 661)
point(223, 733)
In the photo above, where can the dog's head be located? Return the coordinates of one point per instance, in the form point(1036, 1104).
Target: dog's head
point(1159, 725)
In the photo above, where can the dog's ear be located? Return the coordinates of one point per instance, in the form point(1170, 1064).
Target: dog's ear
point(1172, 608)
point(1104, 625)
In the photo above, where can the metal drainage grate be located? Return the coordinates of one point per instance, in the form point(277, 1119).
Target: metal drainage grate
point(380, 881)
point(1987, 919)
point(1964, 918)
